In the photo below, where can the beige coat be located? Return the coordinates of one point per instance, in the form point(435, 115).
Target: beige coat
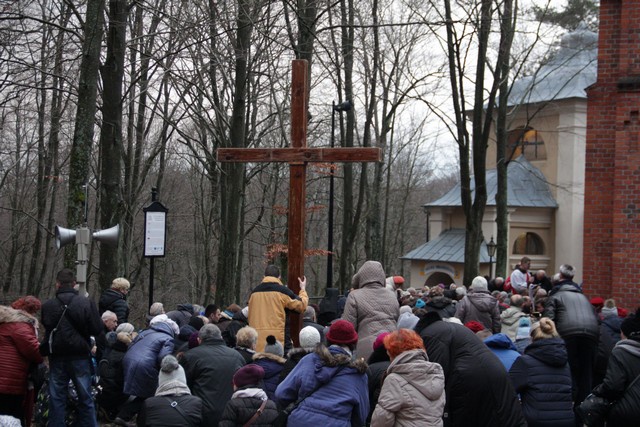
point(370, 307)
point(412, 393)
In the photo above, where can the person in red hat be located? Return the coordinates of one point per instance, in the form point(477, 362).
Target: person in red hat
point(327, 386)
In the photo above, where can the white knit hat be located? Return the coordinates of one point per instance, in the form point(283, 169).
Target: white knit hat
point(309, 337)
point(170, 370)
point(479, 283)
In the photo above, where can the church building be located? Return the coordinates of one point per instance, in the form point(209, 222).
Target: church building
point(546, 176)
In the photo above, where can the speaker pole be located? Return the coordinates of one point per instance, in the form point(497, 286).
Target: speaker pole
point(83, 239)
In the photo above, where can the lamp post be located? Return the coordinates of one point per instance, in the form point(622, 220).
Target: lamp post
point(343, 106)
point(491, 249)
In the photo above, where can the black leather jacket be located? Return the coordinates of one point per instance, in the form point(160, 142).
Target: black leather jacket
point(571, 311)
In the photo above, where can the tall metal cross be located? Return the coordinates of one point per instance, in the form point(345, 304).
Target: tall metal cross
point(298, 155)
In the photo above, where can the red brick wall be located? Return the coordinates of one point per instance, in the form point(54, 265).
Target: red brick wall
point(612, 174)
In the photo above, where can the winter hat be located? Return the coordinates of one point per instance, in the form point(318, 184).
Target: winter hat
point(250, 374)
point(420, 303)
point(309, 337)
point(461, 291)
point(609, 308)
point(196, 322)
point(185, 332)
point(170, 370)
point(405, 309)
point(631, 325)
point(407, 321)
point(479, 283)
point(125, 327)
point(398, 280)
point(474, 326)
point(162, 318)
point(622, 312)
point(342, 332)
point(193, 340)
point(379, 342)
point(597, 302)
point(274, 346)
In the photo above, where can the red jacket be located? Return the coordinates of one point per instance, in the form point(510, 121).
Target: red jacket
point(19, 349)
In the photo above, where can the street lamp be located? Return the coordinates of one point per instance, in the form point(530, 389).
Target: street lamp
point(491, 249)
point(343, 106)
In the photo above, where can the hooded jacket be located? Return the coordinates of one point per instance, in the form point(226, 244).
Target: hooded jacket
point(609, 337)
point(481, 306)
point(268, 305)
point(478, 390)
point(510, 321)
point(273, 366)
point(19, 349)
point(412, 393)
point(503, 348)
point(370, 307)
point(181, 315)
point(571, 311)
point(333, 389)
point(115, 301)
point(623, 369)
point(543, 379)
point(141, 362)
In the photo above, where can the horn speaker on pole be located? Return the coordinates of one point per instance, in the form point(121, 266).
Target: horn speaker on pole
point(108, 236)
point(64, 236)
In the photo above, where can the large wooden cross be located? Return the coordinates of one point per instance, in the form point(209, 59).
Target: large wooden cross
point(298, 155)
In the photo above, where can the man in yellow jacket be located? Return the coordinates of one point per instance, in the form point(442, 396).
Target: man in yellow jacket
point(268, 307)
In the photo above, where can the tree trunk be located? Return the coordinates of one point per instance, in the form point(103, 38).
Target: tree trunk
point(232, 182)
point(111, 147)
point(85, 119)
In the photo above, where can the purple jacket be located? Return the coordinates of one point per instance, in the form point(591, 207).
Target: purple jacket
point(142, 361)
point(334, 389)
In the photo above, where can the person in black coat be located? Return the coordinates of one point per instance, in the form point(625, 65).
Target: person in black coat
point(238, 321)
point(577, 324)
point(610, 324)
point(624, 367)
point(209, 369)
point(112, 372)
point(439, 303)
point(115, 299)
point(246, 340)
point(478, 390)
point(543, 379)
point(378, 363)
point(249, 400)
point(173, 404)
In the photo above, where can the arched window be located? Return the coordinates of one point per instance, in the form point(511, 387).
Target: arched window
point(527, 141)
point(528, 244)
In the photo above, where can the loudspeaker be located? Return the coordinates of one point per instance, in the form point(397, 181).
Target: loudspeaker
point(64, 236)
point(108, 236)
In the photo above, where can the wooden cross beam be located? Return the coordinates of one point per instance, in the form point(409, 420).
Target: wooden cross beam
point(297, 156)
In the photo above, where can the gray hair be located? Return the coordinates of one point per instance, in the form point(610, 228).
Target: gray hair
point(209, 331)
point(567, 271)
point(108, 314)
point(309, 314)
point(247, 337)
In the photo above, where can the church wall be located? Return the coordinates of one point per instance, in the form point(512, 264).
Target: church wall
point(612, 191)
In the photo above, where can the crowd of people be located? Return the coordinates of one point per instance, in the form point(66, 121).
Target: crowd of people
point(522, 351)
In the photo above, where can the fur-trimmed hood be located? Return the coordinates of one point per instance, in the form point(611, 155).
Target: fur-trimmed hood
point(337, 357)
point(10, 315)
point(269, 356)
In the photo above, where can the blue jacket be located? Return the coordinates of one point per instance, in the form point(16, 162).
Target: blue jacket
point(142, 361)
point(334, 389)
point(502, 346)
point(273, 366)
point(543, 379)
